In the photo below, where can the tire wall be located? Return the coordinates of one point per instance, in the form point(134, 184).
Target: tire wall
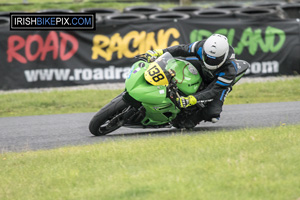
point(266, 36)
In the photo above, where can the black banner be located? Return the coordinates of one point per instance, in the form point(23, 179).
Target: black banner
point(31, 59)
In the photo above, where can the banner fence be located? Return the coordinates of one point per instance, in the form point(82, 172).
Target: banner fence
point(35, 59)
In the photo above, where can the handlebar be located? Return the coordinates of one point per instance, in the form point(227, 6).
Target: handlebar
point(144, 57)
point(141, 57)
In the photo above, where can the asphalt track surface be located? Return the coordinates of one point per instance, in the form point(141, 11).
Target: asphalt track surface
point(53, 131)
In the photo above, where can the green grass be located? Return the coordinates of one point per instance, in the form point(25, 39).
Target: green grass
point(63, 1)
point(70, 6)
point(264, 92)
point(58, 102)
point(54, 102)
point(242, 164)
point(75, 6)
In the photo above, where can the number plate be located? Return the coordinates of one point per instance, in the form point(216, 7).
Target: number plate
point(155, 75)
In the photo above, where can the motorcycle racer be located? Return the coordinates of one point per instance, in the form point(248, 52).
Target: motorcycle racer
point(215, 61)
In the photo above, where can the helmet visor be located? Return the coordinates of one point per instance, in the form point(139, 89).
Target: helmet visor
point(211, 60)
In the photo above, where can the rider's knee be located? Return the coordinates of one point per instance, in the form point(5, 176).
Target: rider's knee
point(211, 115)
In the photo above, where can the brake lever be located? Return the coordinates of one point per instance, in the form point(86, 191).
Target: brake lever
point(173, 91)
point(153, 58)
point(141, 57)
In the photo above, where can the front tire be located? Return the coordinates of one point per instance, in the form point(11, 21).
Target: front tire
point(106, 119)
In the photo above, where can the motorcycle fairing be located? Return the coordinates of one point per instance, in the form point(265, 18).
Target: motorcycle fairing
point(159, 108)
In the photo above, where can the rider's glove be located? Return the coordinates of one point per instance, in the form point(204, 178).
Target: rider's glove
point(185, 102)
point(153, 53)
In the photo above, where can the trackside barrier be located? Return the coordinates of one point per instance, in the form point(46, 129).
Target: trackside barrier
point(145, 10)
point(257, 14)
point(221, 14)
point(4, 21)
point(170, 16)
point(100, 12)
point(36, 59)
point(124, 18)
point(292, 11)
point(269, 5)
point(231, 7)
point(186, 9)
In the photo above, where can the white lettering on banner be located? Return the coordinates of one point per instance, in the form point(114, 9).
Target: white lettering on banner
point(266, 67)
point(118, 73)
point(78, 74)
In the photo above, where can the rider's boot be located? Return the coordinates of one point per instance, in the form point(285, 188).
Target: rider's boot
point(215, 119)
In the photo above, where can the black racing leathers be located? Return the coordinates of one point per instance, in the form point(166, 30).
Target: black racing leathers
point(216, 81)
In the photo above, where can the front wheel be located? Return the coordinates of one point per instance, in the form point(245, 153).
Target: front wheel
point(109, 118)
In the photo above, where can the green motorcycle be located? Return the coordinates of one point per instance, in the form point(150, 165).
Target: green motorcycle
point(149, 99)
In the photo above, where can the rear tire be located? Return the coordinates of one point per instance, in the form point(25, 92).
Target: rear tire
point(99, 125)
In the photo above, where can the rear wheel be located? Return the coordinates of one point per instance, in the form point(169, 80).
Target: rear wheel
point(109, 118)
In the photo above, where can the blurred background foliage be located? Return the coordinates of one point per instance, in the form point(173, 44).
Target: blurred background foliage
point(76, 5)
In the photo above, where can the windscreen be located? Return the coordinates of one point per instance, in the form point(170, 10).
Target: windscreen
point(157, 73)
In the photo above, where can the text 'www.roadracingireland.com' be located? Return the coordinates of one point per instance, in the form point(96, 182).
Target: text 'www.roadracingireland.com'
point(81, 74)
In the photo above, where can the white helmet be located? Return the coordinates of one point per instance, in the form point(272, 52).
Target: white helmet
point(215, 51)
